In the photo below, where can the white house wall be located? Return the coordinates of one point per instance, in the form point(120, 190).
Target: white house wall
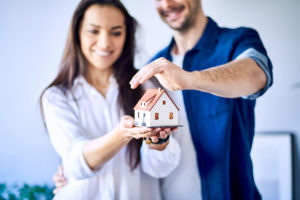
point(139, 120)
point(164, 112)
point(136, 119)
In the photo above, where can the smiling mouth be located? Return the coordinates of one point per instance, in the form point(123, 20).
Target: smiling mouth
point(172, 13)
point(103, 53)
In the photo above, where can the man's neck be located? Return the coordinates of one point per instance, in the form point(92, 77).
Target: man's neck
point(186, 40)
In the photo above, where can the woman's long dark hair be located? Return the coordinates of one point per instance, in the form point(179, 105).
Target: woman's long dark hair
point(74, 64)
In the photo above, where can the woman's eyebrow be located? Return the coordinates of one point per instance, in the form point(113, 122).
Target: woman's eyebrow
point(113, 28)
point(91, 24)
point(117, 27)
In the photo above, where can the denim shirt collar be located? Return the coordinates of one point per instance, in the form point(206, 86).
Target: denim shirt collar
point(206, 43)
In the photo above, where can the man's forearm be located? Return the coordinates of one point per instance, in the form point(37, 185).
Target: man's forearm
point(240, 77)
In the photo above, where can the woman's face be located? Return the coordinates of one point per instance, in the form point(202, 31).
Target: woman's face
point(102, 35)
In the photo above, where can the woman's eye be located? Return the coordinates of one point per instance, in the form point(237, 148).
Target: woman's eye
point(93, 31)
point(116, 33)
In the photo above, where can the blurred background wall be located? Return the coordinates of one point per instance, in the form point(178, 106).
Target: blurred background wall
point(32, 38)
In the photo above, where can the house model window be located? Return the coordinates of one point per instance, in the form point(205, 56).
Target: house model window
point(164, 102)
point(156, 116)
point(171, 115)
point(143, 104)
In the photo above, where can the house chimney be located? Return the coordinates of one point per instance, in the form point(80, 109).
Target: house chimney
point(158, 90)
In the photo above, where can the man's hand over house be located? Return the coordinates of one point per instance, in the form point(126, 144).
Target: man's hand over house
point(168, 74)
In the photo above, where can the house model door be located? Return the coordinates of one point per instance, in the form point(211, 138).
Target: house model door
point(144, 123)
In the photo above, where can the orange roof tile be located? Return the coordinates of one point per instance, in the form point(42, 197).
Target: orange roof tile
point(151, 96)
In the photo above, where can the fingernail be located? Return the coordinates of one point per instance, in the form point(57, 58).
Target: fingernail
point(132, 86)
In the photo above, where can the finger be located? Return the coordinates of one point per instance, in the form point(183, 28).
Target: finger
point(174, 129)
point(154, 139)
point(167, 129)
point(55, 177)
point(134, 84)
point(163, 134)
point(157, 129)
point(137, 76)
point(127, 121)
point(136, 80)
point(133, 80)
point(144, 135)
point(60, 170)
point(154, 132)
point(56, 190)
point(155, 69)
point(60, 184)
point(140, 132)
point(126, 117)
point(148, 134)
point(58, 178)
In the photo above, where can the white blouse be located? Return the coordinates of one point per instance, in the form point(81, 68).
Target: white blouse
point(83, 114)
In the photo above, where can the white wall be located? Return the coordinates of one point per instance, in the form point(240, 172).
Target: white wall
point(32, 36)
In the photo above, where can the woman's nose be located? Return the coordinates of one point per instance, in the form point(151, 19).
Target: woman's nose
point(104, 40)
point(165, 4)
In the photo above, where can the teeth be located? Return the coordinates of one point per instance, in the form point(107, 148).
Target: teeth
point(172, 16)
point(102, 53)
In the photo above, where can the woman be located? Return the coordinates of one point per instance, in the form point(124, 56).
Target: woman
point(102, 152)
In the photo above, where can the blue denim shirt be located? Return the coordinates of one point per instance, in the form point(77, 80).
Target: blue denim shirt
point(222, 128)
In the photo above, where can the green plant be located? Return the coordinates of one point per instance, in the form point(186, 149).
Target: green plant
point(25, 192)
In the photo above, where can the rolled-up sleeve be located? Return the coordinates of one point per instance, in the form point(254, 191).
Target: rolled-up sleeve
point(248, 44)
point(66, 134)
point(160, 164)
point(262, 62)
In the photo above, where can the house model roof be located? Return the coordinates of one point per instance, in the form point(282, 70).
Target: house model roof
point(150, 97)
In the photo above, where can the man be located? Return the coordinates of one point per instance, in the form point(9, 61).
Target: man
point(223, 72)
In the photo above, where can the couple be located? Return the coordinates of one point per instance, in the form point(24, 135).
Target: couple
point(87, 107)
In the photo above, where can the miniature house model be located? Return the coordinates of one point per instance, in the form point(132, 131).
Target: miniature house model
point(156, 109)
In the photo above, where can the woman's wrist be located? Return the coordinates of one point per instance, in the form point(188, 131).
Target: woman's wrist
point(121, 134)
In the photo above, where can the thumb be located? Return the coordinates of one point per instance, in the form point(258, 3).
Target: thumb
point(127, 121)
point(61, 170)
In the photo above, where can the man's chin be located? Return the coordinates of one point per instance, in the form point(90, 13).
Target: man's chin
point(180, 26)
point(176, 27)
